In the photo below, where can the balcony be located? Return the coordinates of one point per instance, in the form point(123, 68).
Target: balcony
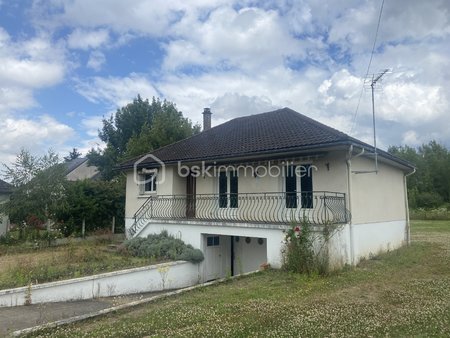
point(317, 207)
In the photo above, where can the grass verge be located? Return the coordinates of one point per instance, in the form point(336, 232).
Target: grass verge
point(402, 293)
point(25, 265)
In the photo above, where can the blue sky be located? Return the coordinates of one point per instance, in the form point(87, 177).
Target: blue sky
point(65, 64)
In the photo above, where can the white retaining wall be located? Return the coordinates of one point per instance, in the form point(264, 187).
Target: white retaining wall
point(164, 276)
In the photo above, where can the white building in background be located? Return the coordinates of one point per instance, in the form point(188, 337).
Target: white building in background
point(78, 169)
point(5, 192)
point(234, 189)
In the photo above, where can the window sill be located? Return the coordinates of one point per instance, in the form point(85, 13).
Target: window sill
point(147, 194)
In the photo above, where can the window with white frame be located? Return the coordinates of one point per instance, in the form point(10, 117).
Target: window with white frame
point(148, 182)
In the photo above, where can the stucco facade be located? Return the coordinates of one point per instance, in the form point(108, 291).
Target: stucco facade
point(375, 200)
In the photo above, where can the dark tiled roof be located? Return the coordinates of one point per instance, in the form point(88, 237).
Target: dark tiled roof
point(276, 131)
point(5, 187)
point(73, 164)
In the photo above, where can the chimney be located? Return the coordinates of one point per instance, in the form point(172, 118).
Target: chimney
point(206, 118)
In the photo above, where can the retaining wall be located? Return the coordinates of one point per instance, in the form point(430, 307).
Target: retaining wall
point(164, 276)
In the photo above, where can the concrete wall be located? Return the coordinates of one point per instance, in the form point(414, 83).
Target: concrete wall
point(377, 197)
point(4, 220)
point(371, 239)
point(82, 172)
point(157, 277)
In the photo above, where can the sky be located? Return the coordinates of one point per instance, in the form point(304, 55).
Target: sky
point(66, 64)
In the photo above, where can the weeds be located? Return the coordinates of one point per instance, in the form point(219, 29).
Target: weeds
point(63, 262)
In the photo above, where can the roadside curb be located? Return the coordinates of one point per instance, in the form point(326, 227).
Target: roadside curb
point(75, 319)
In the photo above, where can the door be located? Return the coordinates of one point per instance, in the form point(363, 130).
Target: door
point(214, 257)
point(190, 196)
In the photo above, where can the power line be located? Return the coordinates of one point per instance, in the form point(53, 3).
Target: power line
point(368, 67)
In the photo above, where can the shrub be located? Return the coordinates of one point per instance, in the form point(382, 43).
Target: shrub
point(299, 254)
point(430, 214)
point(191, 254)
point(163, 246)
point(306, 252)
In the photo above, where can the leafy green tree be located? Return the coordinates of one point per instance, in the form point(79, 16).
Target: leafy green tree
point(26, 166)
point(137, 128)
point(430, 185)
point(96, 202)
point(38, 187)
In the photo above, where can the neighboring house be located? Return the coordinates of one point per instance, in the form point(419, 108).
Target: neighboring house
point(78, 169)
point(5, 192)
point(234, 189)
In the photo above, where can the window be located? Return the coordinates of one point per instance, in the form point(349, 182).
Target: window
point(304, 172)
point(233, 189)
point(212, 241)
point(149, 183)
point(291, 186)
point(223, 183)
point(307, 187)
point(230, 182)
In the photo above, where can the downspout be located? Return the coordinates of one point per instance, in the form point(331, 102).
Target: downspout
point(349, 193)
point(349, 189)
point(408, 225)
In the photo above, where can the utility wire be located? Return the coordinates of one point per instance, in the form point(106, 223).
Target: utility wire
point(368, 67)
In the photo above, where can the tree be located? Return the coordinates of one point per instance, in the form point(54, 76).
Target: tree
point(26, 166)
point(95, 202)
point(74, 154)
point(430, 186)
point(137, 128)
point(38, 187)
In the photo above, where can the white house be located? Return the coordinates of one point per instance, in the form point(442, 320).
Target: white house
point(5, 192)
point(234, 189)
point(79, 169)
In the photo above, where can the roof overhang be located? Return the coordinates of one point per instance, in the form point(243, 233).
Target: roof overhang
point(302, 153)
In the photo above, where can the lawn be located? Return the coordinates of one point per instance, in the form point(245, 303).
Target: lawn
point(401, 293)
point(21, 264)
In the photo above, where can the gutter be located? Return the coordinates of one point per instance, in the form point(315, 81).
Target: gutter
point(408, 224)
point(263, 154)
point(349, 194)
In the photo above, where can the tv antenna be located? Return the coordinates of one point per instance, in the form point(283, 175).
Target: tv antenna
point(373, 82)
point(372, 85)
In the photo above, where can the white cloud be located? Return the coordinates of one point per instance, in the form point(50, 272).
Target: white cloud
point(87, 39)
point(33, 63)
point(248, 39)
point(34, 135)
point(96, 60)
point(92, 124)
point(116, 91)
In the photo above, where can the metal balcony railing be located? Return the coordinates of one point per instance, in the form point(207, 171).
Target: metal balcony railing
point(317, 207)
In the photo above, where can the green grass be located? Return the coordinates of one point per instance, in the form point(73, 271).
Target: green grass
point(21, 265)
point(402, 293)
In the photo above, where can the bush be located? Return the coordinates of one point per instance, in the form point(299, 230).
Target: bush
point(429, 200)
point(163, 246)
point(191, 254)
point(299, 254)
point(430, 214)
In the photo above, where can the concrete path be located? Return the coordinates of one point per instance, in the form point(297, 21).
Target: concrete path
point(22, 317)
